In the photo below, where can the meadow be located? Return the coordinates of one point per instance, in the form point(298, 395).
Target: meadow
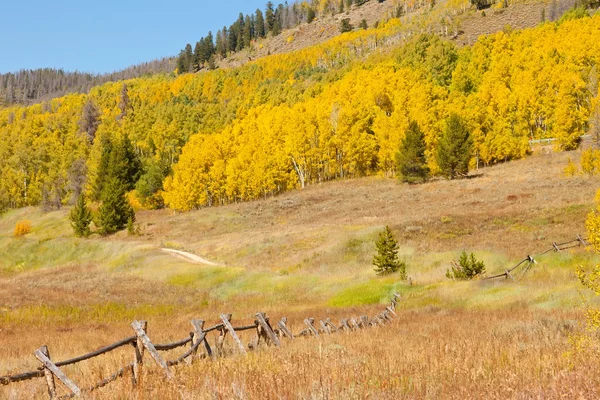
point(308, 254)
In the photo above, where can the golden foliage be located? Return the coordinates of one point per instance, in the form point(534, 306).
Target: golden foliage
point(22, 228)
point(321, 113)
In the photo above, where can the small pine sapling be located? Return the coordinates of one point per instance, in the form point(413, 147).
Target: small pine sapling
point(386, 260)
point(466, 268)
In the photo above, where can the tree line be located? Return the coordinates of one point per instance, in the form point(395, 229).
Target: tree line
point(322, 113)
point(249, 28)
point(28, 87)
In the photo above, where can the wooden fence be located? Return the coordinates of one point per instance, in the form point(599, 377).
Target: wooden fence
point(198, 342)
point(529, 261)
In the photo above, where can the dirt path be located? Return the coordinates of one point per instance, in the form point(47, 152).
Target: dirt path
point(190, 257)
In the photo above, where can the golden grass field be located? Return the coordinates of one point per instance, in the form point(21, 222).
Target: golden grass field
point(308, 254)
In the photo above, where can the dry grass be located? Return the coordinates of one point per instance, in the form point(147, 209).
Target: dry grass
point(433, 354)
point(308, 253)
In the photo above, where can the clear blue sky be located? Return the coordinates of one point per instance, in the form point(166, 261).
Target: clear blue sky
point(103, 36)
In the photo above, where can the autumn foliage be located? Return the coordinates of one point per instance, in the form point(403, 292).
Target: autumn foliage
point(327, 112)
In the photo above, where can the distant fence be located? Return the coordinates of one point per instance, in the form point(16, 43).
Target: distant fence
point(197, 340)
point(529, 261)
point(550, 140)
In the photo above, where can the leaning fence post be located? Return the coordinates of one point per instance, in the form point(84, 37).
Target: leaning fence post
point(197, 337)
point(138, 327)
point(48, 374)
point(221, 337)
point(283, 327)
point(227, 324)
point(51, 369)
point(263, 322)
point(309, 323)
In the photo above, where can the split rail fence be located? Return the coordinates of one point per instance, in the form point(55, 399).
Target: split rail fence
point(198, 342)
point(529, 261)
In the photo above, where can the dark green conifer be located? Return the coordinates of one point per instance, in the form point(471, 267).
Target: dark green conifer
point(411, 162)
point(115, 210)
point(386, 260)
point(455, 148)
point(81, 217)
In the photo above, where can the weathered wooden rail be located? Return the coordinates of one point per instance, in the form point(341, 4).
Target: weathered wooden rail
point(529, 261)
point(197, 339)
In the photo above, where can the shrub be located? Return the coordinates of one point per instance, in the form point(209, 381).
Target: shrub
point(571, 169)
point(346, 26)
point(465, 268)
point(22, 228)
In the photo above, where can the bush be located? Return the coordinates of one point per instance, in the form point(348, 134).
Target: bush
point(466, 268)
point(346, 26)
point(22, 228)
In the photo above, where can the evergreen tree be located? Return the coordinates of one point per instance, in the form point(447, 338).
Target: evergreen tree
point(466, 268)
point(455, 148)
point(363, 24)
point(115, 210)
point(386, 260)
point(310, 15)
point(410, 160)
point(124, 164)
point(259, 24)
point(103, 166)
point(81, 217)
point(221, 49)
point(248, 27)
point(345, 25)
point(198, 55)
point(270, 17)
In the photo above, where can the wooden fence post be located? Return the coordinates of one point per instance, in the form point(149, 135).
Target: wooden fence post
point(309, 323)
point(221, 337)
point(263, 321)
point(48, 374)
point(139, 330)
point(283, 327)
point(227, 324)
point(391, 310)
point(51, 369)
point(325, 327)
point(197, 337)
point(138, 360)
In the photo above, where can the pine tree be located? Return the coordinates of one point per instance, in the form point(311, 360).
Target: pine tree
point(259, 24)
point(386, 260)
point(103, 166)
point(466, 268)
point(115, 210)
point(81, 217)
point(455, 148)
point(123, 163)
point(411, 162)
point(270, 17)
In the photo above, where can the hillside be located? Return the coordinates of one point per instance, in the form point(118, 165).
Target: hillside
point(309, 253)
point(331, 111)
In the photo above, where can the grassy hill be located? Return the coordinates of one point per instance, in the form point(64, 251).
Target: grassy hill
point(306, 253)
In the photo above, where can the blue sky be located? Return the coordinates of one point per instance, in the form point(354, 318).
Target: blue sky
point(104, 36)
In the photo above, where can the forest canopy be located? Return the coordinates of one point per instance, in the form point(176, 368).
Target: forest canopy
point(333, 111)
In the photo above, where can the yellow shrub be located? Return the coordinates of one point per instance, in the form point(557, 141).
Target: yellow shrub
point(22, 228)
point(589, 162)
point(571, 169)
